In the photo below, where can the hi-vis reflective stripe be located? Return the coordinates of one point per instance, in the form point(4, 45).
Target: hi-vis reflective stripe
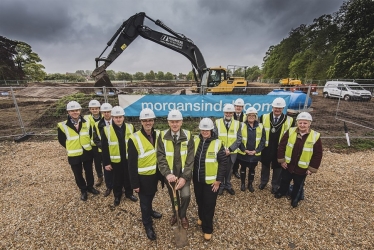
point(140, 170)
point(170, 153)
point(75, 151)
point(115, 157)
point(68, 137)
point(86, 145)
point(210, 160)
point(208, 178)
point(141, 148)
point(303, 163)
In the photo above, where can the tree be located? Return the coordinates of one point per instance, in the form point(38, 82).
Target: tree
point(123, 76)
point(138, 76)
point(160, 75)
point(190, 76)
point(111, 75)
point(150, 76)
point(8, 69)
point(29, 62)
point(169, 76)
point(353, 56)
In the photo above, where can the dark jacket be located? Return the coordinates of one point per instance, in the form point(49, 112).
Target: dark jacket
point(177, 168)
point(251, 143)
point(199, 162)
point(269, 153)
point(146, 183)
point(293, 167)
point(87, 155)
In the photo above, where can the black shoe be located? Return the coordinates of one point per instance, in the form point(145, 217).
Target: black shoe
point(237, 175)
point(93, 191)
point(274, 190)
point(150, 233)
point(294, 203)
point(117, 200)
point(84, 196)
point(250, 188)
point(242, 187)
point(107, 192)
point(220, 191)
point(132, 198)
point(278, 195)
point(231, 191)
point(261, 186)
point(156, 214)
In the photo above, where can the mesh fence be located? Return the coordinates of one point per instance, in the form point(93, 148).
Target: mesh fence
point(37, 110)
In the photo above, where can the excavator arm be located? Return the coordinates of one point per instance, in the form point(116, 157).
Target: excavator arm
point(130, 30)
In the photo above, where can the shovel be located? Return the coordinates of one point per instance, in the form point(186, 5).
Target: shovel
point(180, 234)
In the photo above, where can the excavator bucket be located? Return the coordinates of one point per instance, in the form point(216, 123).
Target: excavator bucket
point(102, 80)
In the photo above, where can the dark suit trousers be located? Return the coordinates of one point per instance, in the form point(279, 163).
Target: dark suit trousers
point(82, 183)
point(146, 209)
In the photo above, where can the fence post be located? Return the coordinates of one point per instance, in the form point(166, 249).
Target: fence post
point(105, 94)
point(24, 135)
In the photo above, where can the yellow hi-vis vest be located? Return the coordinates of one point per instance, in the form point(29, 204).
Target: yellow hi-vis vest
point(228, 137)
point(98, 132)
point(75, 141)
point(266, 122)
point(90, 119)
point(169, 149)
point(114, 153)
point(307, 152)
point(245, 137)
point(211, 164)
point(147, 157)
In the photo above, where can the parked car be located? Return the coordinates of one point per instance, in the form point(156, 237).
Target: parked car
point(346, 90)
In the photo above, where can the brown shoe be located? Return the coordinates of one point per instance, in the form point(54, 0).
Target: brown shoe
point(184, 222)
point(173, 220)
point(207, 236)
point(99, 181)
point(107, 192)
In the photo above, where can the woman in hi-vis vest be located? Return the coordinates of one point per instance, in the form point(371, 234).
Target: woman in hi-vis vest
point(300, 154)
point(208, 173)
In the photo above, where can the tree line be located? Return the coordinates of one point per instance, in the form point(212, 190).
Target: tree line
point(337, 45)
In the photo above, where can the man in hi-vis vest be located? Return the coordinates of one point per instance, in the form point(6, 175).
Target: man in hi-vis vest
point(300, 154)
point(175, 155)
point(144, 174)
point(275, 124)
point(74, 135)
point(229, 132)
point(114, 146)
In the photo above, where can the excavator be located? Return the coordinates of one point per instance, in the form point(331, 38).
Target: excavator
point(212, 80)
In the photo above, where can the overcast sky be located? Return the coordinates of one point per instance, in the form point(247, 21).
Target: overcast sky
point(68, 35)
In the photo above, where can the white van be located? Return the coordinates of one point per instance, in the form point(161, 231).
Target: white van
point(346, 91)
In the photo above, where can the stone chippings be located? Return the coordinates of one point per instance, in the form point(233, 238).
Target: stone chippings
point(41, 209)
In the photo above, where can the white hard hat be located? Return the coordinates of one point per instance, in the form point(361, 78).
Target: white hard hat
point(106, 107)
point(239, 102)
point(147, 113)
point(229, 108)
point(175, 115)
point(94, 104)
point(206, 124)
point(279, 102)
point(73, 105)
point(304, 116)
point(117, 111)
point(251, 110)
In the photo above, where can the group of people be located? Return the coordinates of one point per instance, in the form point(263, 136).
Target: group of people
point(135, 161)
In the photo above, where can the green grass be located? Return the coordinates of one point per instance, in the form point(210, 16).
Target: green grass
point(357, 144)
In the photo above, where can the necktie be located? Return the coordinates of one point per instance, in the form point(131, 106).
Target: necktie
point(275, 120)
point(175, 138)
point(150, 138)
point(76, 125)
point(108, 123)
point(227, 126)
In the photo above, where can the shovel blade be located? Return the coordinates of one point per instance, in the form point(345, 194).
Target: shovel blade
point(180, 236)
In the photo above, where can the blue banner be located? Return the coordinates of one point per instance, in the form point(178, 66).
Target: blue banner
point(195, 105)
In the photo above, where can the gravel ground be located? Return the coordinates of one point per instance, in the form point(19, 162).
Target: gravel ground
point(41, 209)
